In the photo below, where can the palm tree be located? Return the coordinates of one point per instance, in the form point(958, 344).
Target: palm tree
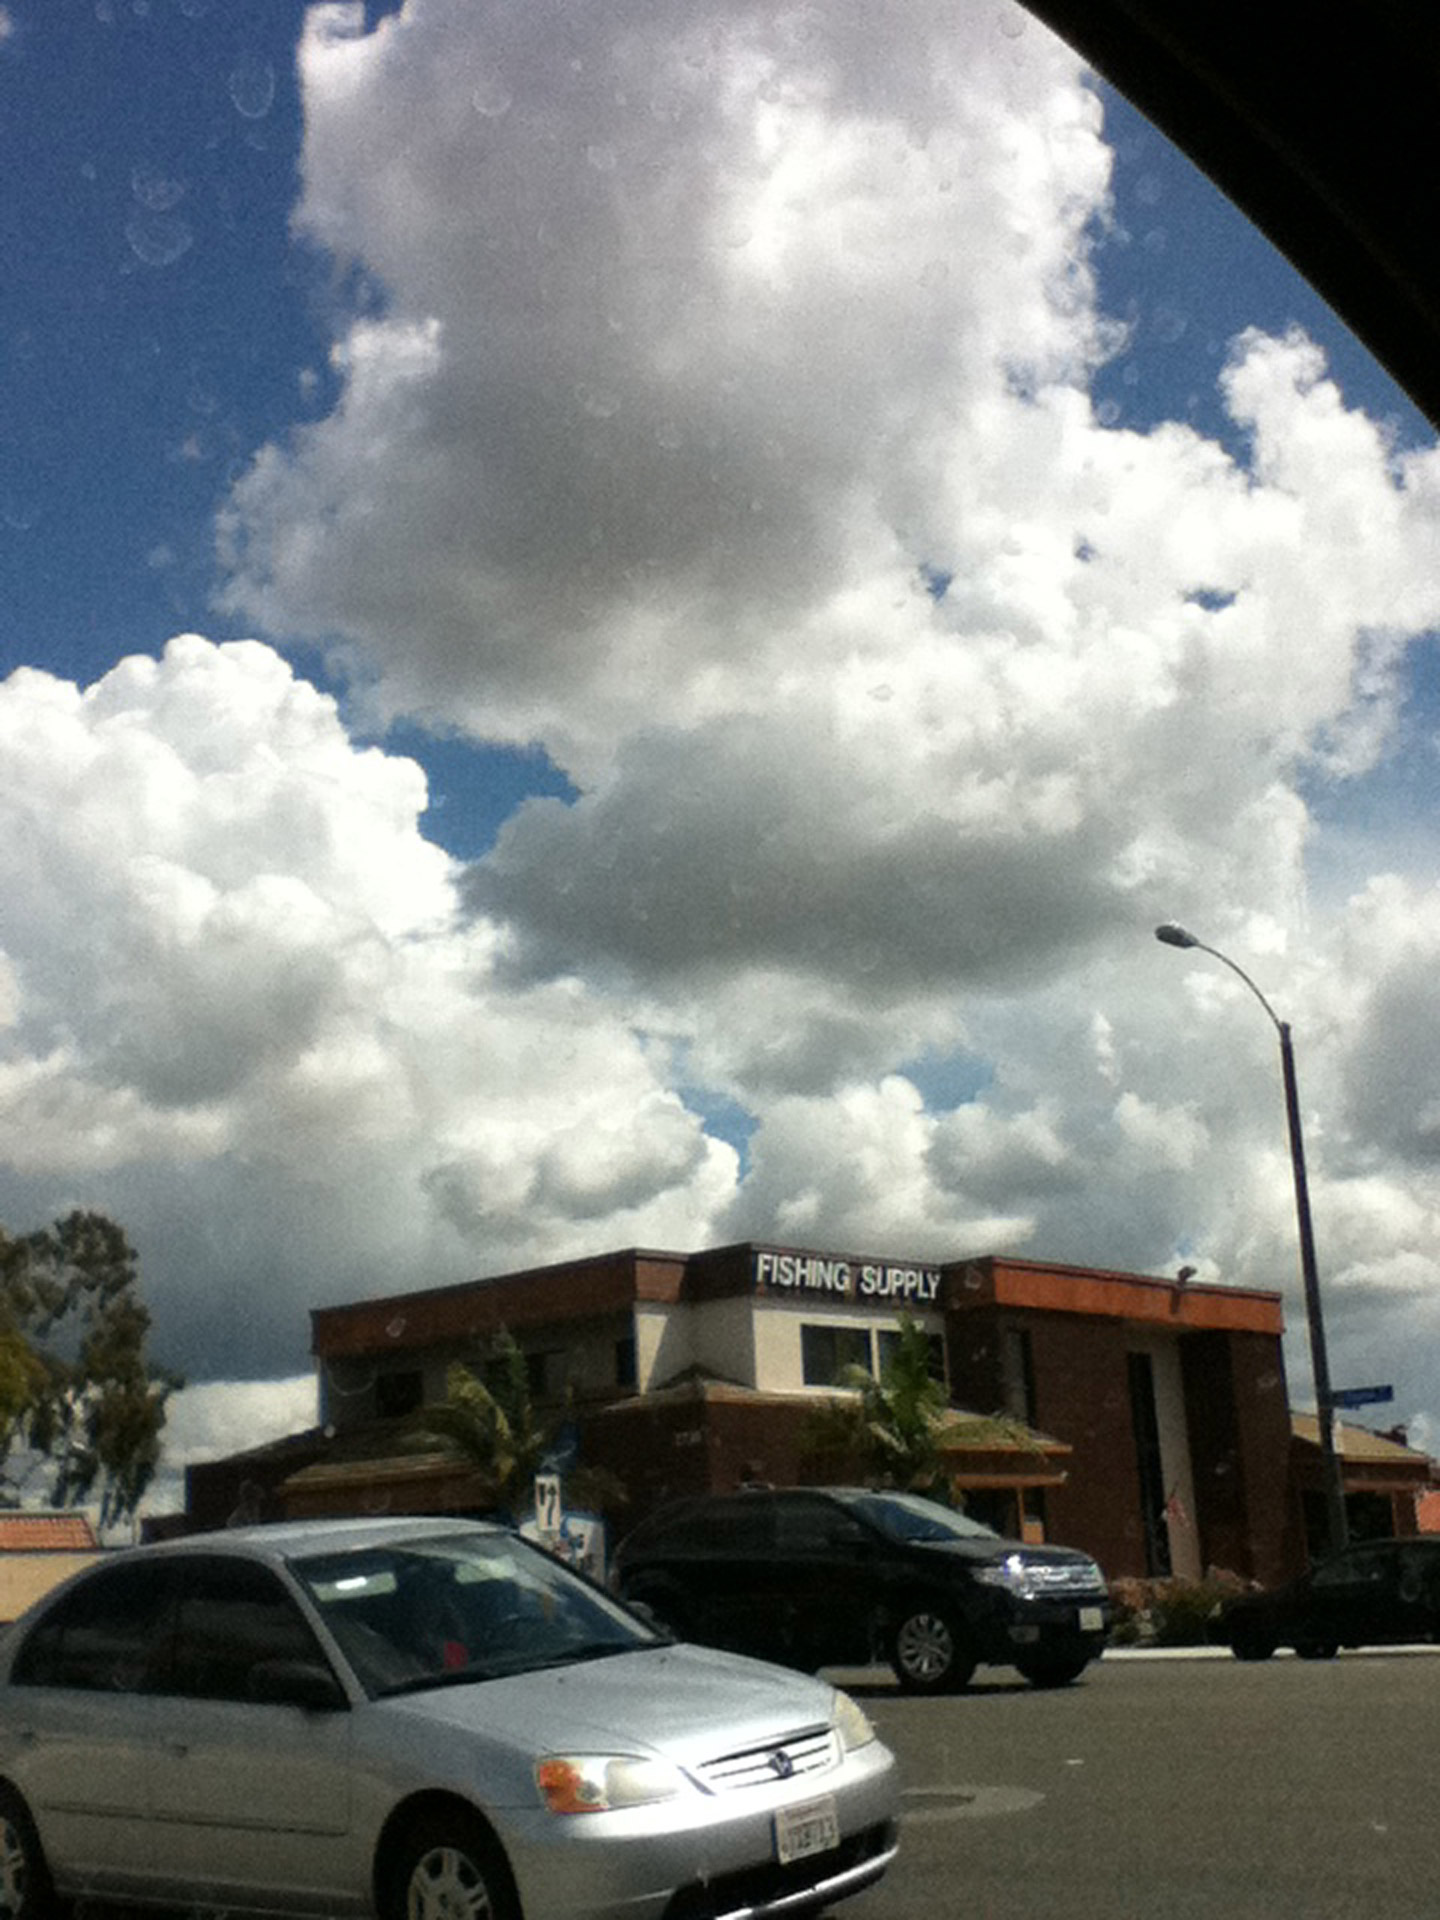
point(492, 1426)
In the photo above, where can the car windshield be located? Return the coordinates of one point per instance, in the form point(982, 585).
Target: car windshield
point(433, 1612)
point(905, 1516)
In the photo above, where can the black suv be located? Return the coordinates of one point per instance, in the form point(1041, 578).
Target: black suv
point(841, 1576)
point(1377, 1593)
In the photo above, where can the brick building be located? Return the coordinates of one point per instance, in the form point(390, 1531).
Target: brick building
point(1158, 1426)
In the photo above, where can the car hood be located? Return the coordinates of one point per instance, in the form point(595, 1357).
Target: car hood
point(685, 1701)
point(988, 1552)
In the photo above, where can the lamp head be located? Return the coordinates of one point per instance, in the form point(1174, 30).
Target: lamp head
point(1174, 936)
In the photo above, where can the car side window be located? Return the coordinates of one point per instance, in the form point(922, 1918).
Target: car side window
point(742, 1524)
point(232, 1617)
point(105, 1635)
point(816, 1526)
point(1365, 1567)
point(1419, 1574)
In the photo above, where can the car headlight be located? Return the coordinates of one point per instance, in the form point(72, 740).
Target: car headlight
point(1010, 1573)
point(852, 1723)
point(604, 1782)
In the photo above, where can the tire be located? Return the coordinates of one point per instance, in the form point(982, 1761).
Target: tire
point(1316, 1649)
point(1248, 1643)
point(1058, 1671)
point(26, 1890)
point(928, 1652)
point(447, 1865)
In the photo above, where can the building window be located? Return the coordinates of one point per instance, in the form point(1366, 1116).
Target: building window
point(826, 1351)
point(1017, 1364)
point(397, 1394)
point(625, 1368)
point(888, 1339)
point(1146, 1423)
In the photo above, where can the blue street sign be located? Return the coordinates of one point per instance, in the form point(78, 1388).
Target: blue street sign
point(1361, 1396)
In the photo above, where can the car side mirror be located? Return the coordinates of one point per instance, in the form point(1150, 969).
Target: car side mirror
point(647, 1616)
point(296, 1683)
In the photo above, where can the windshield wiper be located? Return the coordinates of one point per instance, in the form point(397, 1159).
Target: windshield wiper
point(449, 1677)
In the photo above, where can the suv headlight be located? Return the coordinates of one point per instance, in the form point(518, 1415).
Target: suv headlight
point(1010, 1573)
point(604, 1782)
point(852, 1723)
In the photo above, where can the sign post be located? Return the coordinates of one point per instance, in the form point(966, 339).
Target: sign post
point(548, 1511)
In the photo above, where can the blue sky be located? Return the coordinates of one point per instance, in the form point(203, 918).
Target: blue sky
point(583, 414)
point(163, 323)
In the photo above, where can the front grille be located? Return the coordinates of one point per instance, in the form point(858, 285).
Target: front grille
point(1048, 1577)
point(814, 1751)
point(764, 1889)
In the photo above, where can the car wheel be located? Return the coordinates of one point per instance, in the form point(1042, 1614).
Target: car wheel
point(25, 1889)
point(1249, 1643)
point(1317, 1649)
point(928, 1653)
point(1055, 1672)
point(448, 1866)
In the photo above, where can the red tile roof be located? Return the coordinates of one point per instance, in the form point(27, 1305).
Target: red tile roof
point(22, 1532)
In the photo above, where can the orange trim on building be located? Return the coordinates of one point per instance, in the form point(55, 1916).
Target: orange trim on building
point(994, 1281)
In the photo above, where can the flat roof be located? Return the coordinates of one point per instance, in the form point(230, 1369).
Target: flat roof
point(600, 1284)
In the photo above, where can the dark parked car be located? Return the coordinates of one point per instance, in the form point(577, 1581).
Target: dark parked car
point(1378, 1593)
point(837, 1576)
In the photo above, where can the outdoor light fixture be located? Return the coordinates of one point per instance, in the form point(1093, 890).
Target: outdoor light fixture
point(1174, 936)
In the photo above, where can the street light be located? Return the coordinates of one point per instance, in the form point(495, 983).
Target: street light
point(1173, 936)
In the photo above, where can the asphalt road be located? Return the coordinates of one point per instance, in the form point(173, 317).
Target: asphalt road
point(1161, 1789)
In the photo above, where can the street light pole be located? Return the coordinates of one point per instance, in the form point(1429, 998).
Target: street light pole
point(1173, 936)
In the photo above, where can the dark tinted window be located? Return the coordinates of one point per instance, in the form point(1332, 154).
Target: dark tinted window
point(740, 1525)
point(1364, 1567)
point(815, 1526)
point(398, 1393)
point(906, 1516)
point(107, 1635)
point(232, 1616)
point(825, 1352)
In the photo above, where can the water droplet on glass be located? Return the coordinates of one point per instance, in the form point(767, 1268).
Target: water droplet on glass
point(1108, 413)
point(159, 239)
point(884, 691)
point(491, 98)
point(396, 1326)
point(599, 404)
point(18, 512)
point(252, 87)
point(156, 191)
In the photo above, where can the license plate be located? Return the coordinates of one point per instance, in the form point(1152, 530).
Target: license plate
point(1092, 1619)
point(813, 1827)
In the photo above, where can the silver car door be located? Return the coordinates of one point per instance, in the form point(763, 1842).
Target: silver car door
point(250, 1795)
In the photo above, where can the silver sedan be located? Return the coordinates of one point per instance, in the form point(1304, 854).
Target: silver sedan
point(423, 1719)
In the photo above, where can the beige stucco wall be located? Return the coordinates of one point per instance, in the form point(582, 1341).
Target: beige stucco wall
point(28, 1577)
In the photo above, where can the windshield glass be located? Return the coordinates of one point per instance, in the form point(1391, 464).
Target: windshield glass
point(905, 1516)
point(423, 1613)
